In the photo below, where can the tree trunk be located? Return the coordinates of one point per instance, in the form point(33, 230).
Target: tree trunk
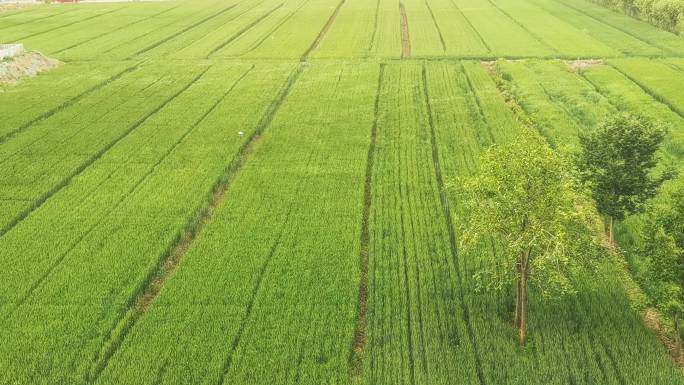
point(522, 302)
point(518, 296)
point(611, 238)
point(677, 338)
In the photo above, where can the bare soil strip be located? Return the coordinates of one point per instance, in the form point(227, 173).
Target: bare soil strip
point(169, 263)
point(359, 342)
point(324, 31)
point(243, 30)
point(450, 228)
point(405, 37)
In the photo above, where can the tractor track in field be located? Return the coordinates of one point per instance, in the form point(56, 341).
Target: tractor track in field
point(67, 103)
point(273, 30)
point(184, 30)
point(472, 28)
point(371, 44)
point(67, 180)
point(169, 263)
point(68, 24)
point(324, 31)
point(439, 30)
point(523, 27)
point(126, 194)
point(450, 228)
point(109, 32)
point(244, 30)
point(405, 36)
point(36, 19)
point(244, 322)
point(359, 342)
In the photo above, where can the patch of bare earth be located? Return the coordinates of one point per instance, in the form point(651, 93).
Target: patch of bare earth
point(579, 65)
point(405, 37)
point(28, 64)
point(652, 320)
point(8, 7)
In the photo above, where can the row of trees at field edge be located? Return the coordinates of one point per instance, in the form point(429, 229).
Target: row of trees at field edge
point(542, 210)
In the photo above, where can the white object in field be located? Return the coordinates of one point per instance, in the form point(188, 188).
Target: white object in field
point(240, 133)
point(10, 50)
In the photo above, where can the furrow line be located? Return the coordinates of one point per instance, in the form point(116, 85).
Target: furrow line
point(273, 30)
point(359, 341)
point(64, 105)
point(405, 37)
point(650, 92)
point(68, 24)
point(115, 30)
point(184, 30)
point(128, 193)
point(323, 32)
point(482, 40)
point(64, 182)
point(450, 228)
point(371, 45)
point(439, 30)
point(37, 19)
point(243, 30)
point(524, 28)
point(168, 263)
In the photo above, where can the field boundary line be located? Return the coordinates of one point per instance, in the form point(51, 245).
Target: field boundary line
point(184, 30)
point(242, 31)
point(169, 262)
point(356, 353)
point(439, 30)
point(626, 32)
point(649, 91)
point(478, 103)
point(404, 29)
point(67, 103)
point(371, 45)
point(115, 30)
point(64, 182)
point(523, 27)
point(69, 24)
point(130, 191)
point(324, 31)
point(446, 211)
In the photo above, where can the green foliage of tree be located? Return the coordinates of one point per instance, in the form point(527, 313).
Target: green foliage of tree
point(525, 198)
point(617, 162)
point(663, 249)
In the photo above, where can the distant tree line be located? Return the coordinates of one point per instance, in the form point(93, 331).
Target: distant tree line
point(666, 14)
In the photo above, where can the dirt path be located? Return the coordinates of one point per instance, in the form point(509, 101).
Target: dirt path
point(405, 37)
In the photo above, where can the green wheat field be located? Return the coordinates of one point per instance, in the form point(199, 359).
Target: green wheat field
point(256, 191)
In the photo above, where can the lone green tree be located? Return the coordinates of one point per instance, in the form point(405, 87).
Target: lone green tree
point(524, 199)
point(617, 162)
point(662, 248)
